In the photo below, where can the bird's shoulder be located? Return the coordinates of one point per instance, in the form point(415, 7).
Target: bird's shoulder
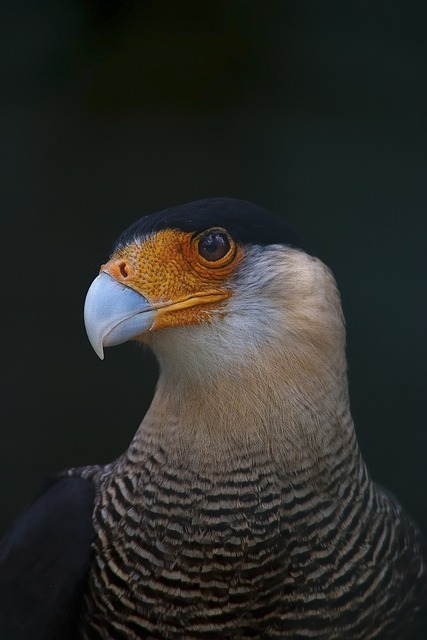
point(407, 563)
point(44, 558)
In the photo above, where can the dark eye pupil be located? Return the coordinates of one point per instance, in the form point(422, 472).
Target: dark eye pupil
point(214, 246)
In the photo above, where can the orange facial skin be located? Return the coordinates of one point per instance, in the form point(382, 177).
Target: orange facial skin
point(167, 268)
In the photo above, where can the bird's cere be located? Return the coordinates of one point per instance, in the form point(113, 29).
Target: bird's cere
point(114, 313)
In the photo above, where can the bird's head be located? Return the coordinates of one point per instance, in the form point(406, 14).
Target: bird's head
point(246, 325)
point(215, 285)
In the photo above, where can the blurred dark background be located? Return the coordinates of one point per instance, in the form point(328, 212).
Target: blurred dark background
point(110, 110)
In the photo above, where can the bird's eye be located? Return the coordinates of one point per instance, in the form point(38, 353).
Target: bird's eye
point(214, 245)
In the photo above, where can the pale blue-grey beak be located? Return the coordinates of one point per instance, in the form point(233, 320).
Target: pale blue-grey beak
point(114, 313)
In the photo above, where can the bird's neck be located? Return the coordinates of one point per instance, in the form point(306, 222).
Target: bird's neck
point(266, 378)
point(294, 412)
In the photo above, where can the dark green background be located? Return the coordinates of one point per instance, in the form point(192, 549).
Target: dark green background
point(109, 110)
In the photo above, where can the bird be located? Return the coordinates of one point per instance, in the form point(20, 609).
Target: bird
point(242, 508)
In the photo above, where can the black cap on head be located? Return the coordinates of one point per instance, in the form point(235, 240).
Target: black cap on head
point(247, 223)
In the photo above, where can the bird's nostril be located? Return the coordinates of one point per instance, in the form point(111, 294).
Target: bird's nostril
point(124, 269)
point(118, 268)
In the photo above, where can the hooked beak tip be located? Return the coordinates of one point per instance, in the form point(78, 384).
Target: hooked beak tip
point(114, 313)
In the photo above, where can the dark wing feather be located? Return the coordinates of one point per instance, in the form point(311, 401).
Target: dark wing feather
point(44, 559)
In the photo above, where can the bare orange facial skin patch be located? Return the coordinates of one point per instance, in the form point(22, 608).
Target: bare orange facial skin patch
point(183, 275)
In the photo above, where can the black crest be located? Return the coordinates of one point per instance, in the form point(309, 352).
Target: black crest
point(247, 223)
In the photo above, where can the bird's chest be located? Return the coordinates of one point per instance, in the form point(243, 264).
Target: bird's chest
point(176, 553)
point(237, 556)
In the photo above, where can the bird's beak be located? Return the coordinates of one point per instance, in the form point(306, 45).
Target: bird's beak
point(114, 313)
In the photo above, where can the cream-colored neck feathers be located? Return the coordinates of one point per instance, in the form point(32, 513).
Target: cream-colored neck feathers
point(268, 373)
